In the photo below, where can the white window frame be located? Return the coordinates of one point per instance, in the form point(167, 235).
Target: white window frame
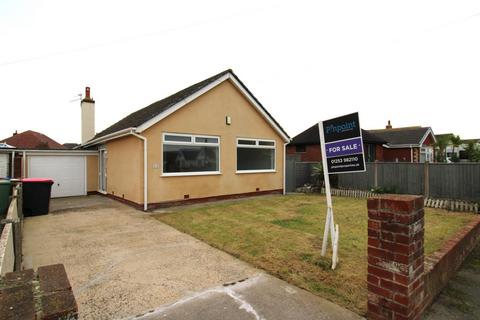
point(192, 143)
point(428, 152)
point(256, 146)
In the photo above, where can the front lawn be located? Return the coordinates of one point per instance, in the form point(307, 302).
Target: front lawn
point(283, 235)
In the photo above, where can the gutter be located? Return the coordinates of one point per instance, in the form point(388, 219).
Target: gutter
point(117, 134)
point(285, 167)
point(397, 146)
point(145, 169)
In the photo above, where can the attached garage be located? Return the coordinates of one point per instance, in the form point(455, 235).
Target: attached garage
point(4, 165)
point(67, 172)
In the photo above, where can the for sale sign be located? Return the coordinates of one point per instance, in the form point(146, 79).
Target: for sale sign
point(343, 145)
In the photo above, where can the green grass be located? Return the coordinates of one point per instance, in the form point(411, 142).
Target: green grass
point(283, 235)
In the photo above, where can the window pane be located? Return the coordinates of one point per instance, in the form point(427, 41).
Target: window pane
point(266, 143)
point(255, 159)
point(178, 158)
point(206, 140)
point(169, 137)
point(247, 142)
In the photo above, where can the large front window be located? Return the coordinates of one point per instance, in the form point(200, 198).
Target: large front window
point(185, 154)
point(255, 155)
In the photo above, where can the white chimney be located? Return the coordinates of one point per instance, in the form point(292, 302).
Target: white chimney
point(88, 116)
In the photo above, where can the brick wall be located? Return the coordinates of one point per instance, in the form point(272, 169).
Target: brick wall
point(312, 153)
point(379, 152)
point(443, 264)
point(42, 295)
point(395, 257)
point(402, 154)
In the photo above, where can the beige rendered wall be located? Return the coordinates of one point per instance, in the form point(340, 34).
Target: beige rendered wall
point(125, 168)
point(206, 115)
point(92, 173)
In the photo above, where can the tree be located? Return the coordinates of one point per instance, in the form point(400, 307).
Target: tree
point(317, 174)
point(472, 152)
point(441, 144)
point(456, 142)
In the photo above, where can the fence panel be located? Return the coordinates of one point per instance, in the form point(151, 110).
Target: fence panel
point(290, 175)
point(406, 178)
point(303, 173)
point(361, 181)
point(455, 181)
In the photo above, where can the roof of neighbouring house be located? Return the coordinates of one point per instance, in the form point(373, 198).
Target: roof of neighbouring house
point(467, 141)
point(403, 136)
point(142, 116)
point(32, 140)
point(444, 135)
point(312, 136)
point(70, 145)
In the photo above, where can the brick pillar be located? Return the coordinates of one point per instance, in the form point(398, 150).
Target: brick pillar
point(395, 257)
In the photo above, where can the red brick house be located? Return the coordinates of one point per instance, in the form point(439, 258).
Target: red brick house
point(306, 146)
point(407, 144)
point(32, 140)
point(27, 140)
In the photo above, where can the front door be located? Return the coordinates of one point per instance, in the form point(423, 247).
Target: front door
point(102, 172)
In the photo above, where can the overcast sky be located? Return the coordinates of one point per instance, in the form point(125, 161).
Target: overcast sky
point(411, 62)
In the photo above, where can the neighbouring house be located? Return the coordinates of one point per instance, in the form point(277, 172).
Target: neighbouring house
point(211, 140)
point(26, 140)
point(306, 146)
point(70, 145)
point(459, 150)
point(33, 154)
point(407, 144)
point(31, 140)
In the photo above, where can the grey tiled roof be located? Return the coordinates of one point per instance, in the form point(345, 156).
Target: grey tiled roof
point(312, 136)
point(407, 135)
point(141, 116)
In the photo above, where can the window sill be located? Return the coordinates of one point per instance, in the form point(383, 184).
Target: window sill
point(186, 174)
point(255, 171)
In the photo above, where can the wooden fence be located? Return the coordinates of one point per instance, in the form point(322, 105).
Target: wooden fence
point(454, 181)
point(11, 236)
point(452, 205)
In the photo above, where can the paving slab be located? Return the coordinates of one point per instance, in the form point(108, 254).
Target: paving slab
point(461, 298)
point(260, 298)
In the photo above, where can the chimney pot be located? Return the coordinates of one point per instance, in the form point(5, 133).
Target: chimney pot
point(87, 92)
point(389, 125)
point(15, 133)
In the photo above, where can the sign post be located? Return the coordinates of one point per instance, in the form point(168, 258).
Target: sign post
point(342, 152)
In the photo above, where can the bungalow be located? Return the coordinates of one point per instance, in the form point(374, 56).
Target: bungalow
point(407, 144)
point(306, 146)
point(211, 140)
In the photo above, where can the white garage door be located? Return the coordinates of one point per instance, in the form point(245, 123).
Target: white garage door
point(3, 165)
point(67, 172)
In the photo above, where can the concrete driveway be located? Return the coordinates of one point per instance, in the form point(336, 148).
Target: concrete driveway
point(122, 263)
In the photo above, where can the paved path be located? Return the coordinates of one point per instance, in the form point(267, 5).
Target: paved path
point(259, 297)
point(123, 263)
point(461, 298)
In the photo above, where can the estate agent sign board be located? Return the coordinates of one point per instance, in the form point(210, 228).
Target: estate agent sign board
point(342, 152)
point(343, 144)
